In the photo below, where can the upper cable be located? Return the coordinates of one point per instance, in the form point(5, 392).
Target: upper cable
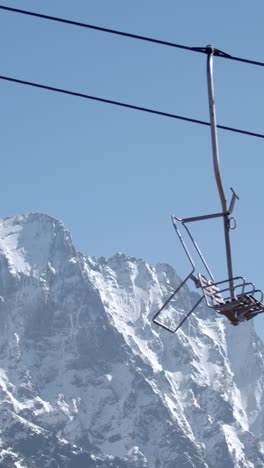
point(202, 50)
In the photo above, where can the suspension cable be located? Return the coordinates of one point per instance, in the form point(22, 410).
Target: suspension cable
point(217, 53)
point(127, 105)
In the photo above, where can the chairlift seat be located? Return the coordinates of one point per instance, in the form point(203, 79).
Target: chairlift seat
point(242, 306)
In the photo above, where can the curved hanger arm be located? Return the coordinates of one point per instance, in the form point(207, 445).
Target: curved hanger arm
point(214, 130)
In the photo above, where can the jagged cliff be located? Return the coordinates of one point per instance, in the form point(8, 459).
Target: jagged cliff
point(86, 379)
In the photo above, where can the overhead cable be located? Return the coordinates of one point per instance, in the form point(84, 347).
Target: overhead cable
point(128, 106)
point(203, 50)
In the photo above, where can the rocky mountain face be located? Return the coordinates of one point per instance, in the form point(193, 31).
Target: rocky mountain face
point(86, 379)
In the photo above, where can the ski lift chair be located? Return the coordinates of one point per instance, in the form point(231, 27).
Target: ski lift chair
point(234, 298)
point(243, 305)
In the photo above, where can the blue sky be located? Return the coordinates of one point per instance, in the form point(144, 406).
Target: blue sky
point(114, 176)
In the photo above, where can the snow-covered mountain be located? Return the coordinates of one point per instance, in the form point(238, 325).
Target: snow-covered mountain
point(86, 379)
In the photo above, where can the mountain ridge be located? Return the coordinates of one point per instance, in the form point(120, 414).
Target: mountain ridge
point(87, 379)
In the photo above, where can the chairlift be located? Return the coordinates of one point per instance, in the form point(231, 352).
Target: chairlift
point(234, 298)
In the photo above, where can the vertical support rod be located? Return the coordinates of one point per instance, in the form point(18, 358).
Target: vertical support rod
point(217, 168)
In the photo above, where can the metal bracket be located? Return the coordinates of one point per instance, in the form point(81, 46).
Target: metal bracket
point(211, 50)
point(233, 200)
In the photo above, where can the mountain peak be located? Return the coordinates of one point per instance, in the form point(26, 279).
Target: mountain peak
point(27, 241)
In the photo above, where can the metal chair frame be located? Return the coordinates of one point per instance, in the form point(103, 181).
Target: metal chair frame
point(233, 297)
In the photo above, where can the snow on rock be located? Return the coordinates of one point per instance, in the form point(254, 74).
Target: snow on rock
point(86, 378)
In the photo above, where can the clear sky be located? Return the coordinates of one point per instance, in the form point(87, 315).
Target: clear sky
point(114, 176)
